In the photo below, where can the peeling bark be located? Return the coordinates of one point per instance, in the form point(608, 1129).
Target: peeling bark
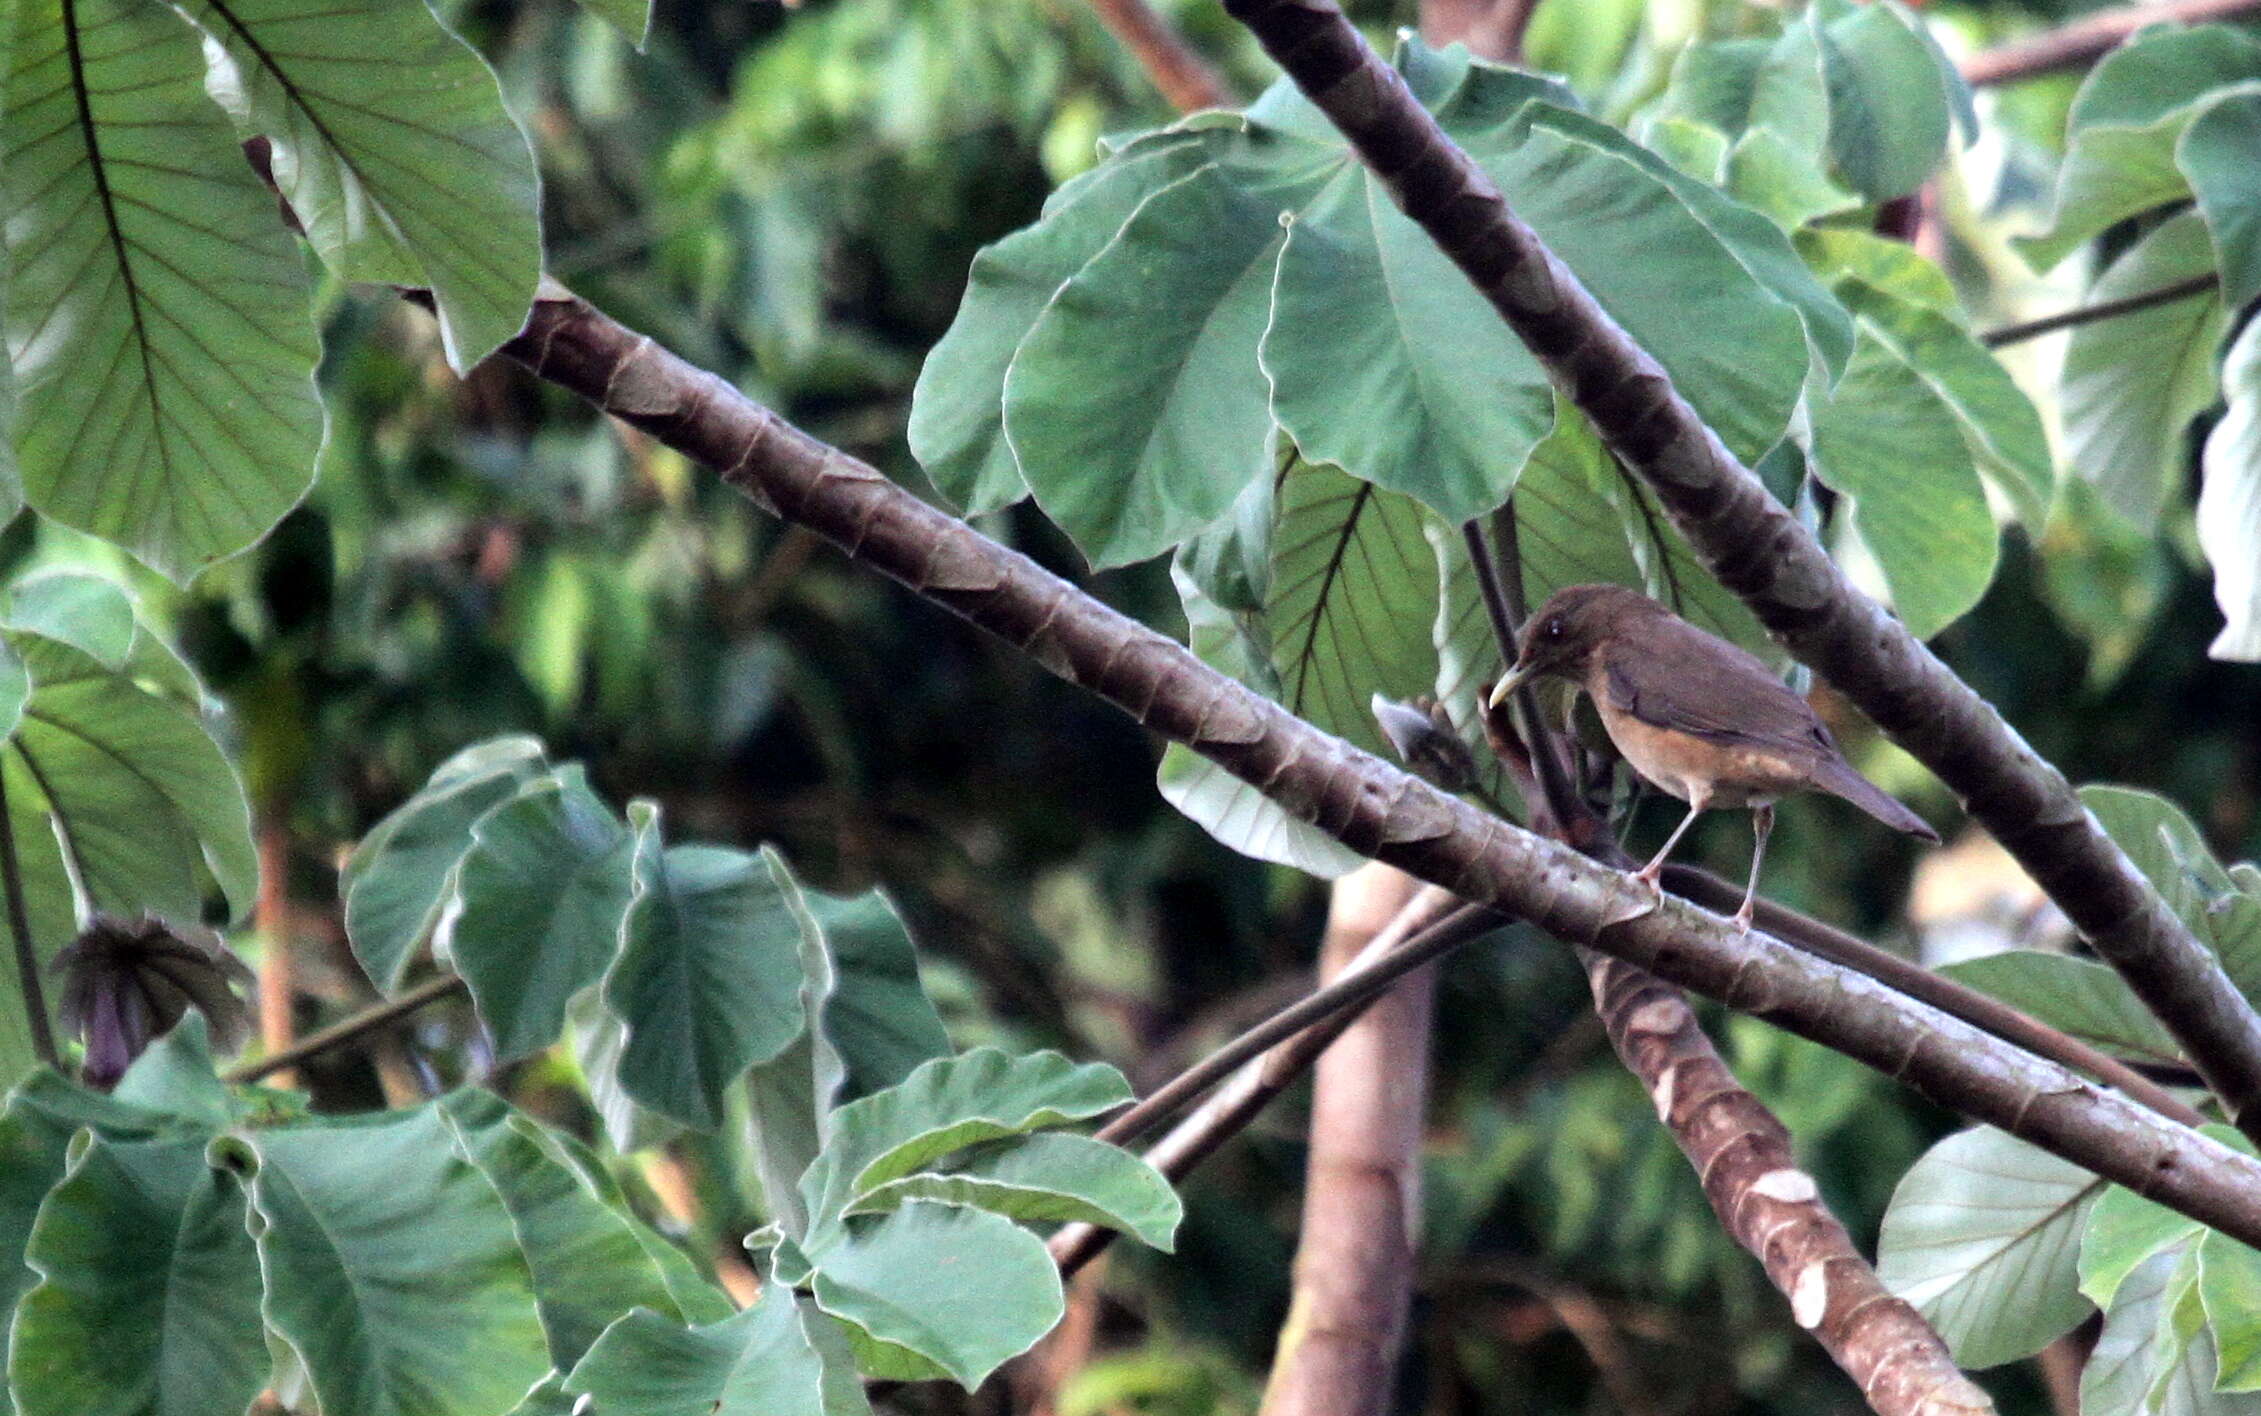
point(1742, 1155)
point(1354, 1256)
point(1365, 803)
point(1759, 550)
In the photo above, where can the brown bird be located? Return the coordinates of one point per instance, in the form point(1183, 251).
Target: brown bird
point(1694, 715)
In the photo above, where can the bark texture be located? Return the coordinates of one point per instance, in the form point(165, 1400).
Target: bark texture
point(1369, 805)
point(1760, 551)
point(1742, 1154)
point(1354, 1256)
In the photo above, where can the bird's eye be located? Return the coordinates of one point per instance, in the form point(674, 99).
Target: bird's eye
point(1554, 629)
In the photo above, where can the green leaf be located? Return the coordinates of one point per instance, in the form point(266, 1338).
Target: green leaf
point(393, 1271)
point(878, 1014)
point(708, 977)
point(944, 1106)
point(2086, 999)
point(1889, 443)
point(146, 1262)
point(2000, 426)
point(1888, 101)
point(2156, 1356)
point(2216, 153)
point(1351, 571)
point(2124, 1232)
point(758, 1363)
point(157, 312)
point(790, 1098)
point(136, 789)
point(632, 18)
point(1983, 1237)
point(2166, 846)
point(1382, 357)
point(2229, 502)
point(1894, 267)
point(393, 148)
point(587, 1264)
point(904, 1278)
point(403, 872)
point(1047, 1179)
point(957, 427)
point(2125, 124)
point(598, 1039)
point(1165, 319)
point(87, 612)
point(176, 1078)
point(2131, 384)
point(2229, 1286)
point(543, 888)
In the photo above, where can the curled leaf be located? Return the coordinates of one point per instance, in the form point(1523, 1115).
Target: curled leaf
point(126, 982)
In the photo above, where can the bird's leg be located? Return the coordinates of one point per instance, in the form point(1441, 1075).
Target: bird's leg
point(1762, 824)
point(1653, 873)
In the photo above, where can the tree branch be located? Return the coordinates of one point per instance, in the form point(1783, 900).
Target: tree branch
point(347, 1029)
point(1183, 76)
point(1758, 549)
point(1369, 805)
point(2102, 310)
point(2090, 38)
point(1355, 1250)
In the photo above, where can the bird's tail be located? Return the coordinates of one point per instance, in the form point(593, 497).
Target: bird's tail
point(1839, 779)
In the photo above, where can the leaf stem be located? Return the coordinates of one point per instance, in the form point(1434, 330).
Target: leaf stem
point(19, 925)
point(347, 1029)
point(2102, 310)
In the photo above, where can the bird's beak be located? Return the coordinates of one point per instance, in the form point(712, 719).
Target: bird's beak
point(1508, 685)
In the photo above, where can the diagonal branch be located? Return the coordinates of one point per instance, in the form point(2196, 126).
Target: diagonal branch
point(1365, 803)
point(1758, 549)
point(1184, 77)
point(2090, 38)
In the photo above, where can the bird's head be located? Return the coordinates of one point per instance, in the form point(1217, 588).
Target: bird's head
point(1562, 633)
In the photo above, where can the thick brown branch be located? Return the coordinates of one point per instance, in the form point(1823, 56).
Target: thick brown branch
point(2090, 38)
point(1355, 1250)
point(1183, 76)
point(1758, 549)
point(1370, 806)
point(1742, 1154)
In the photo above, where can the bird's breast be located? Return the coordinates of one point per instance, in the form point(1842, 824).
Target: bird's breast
point(1688, 766)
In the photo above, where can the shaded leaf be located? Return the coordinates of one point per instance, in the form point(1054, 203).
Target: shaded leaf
point(757, 1363)
point(904, 1279)
point(2086, 999)
point(157, 313)
point(145, 1260)
point(1983, 1237)
point(1888, 100)
point(2216, 153)
point(371, 1232)
point(176, 1078)
point(878, 1014)
point(394, 150)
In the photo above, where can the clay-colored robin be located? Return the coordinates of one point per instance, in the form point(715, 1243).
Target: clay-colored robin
point(1694, 715)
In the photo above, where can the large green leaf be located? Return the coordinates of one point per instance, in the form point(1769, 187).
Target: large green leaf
point(1382, 358)
point(394, 150)
point(957, 427)
point(760, 1362)
point(176, 1078)
point(1983, 1237)
point(1165, 320)
point(393, 1271)
point(2124, 1231)
point(157, 311)
point(401, 875)
point(1894, 448)
point(2216, 153)
point(144, 1261)
point(587, 1264)
point(878, 1015)
point(2229, 502)
point(1888, 100)
point(2155, 1357)
point(905, 1278)
point(2081, 997)
point(1048, 1179)
point(136, 790)
point(708, 977)
point(2166, 846)
point(945, 1106)
point(2125, 124)
point(543, 891)
point(2132, 383)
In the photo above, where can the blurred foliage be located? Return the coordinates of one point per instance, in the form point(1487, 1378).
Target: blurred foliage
point(792, 198)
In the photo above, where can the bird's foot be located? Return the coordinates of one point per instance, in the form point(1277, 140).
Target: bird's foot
point(1649, 900)
point(1744, 916)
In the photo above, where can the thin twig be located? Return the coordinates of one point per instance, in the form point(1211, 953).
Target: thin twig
point(1506, 615)
point(27, 952)
point(347, 1029)
point(2090, 38)
point(2102, 310)
point(1183, 76)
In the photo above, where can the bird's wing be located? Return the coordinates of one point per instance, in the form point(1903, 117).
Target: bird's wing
point(1686, 680)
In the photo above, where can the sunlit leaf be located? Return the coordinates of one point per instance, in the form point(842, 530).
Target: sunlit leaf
point(1048, 1179)
point(157, 310)
point(2229, 502)
point(2217, 155)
